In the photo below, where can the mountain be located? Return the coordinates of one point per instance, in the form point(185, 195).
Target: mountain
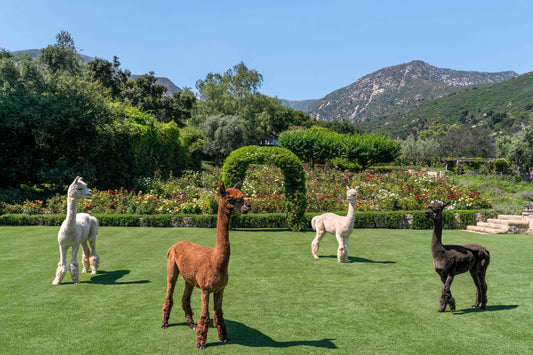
point(502, 108)
point(171, 87)
point(397, 89)
point(298, 105)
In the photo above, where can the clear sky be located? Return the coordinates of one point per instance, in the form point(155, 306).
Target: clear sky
point(303, 48)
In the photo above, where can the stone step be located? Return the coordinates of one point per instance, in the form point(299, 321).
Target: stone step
point(508, 222)
point(493, 225)
point(485, 230)
point(510, 216)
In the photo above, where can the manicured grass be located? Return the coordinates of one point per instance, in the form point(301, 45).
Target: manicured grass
point(279, 299)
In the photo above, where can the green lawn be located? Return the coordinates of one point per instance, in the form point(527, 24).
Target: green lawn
point(279, 299)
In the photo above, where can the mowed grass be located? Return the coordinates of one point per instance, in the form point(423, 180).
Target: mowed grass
point(279, 300)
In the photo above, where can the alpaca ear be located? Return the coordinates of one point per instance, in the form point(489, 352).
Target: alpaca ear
point(446, 204)
point(76, 179)
point(237, 185)
point(221, 189)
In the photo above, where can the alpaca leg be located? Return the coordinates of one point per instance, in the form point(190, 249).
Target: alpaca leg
point(94, 259)
point(203, 322)
point(85, 257)
point(315, 244)
point(186, 304)
point(172, 276)
point(61, 266)
point(345, 240)
point(218, 318)
point(447, 294)
point(479, 292)
point(341, 252)
point(483, 283)
point(73, 267)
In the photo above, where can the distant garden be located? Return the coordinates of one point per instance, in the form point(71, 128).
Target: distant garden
point(144, 150)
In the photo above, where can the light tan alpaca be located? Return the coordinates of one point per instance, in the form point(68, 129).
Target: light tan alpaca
point(340, 226)
point(77, 229)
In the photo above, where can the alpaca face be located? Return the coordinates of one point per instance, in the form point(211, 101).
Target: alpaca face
point(234, 199)
point(351, 194)
point(434, 209)
point(78, 189)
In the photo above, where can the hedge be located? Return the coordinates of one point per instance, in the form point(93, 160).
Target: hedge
point(237, 163)
point(370, 219)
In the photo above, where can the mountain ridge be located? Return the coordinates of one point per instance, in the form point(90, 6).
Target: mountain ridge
point(397, 89)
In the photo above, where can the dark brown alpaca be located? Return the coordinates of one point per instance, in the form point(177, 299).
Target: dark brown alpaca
point(205, 268)
point(451, 260)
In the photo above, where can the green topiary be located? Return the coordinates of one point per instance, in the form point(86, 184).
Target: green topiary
point(237, 163)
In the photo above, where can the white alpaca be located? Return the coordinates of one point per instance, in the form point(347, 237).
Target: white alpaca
point(77, 229)
point(340, 226)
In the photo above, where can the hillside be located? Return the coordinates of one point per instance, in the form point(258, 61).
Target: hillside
point(299, 105)
point(171, 87)
point(397, 89)
point(502, 108)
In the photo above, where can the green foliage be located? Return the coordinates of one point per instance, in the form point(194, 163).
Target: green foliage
point(237, 163)
point(420, 151)
point(222, 136)
point(62, 57)
point(317, 144)
point(519, 147)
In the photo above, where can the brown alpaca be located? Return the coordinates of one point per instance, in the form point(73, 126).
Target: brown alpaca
point(205, 268)
point(451, 260)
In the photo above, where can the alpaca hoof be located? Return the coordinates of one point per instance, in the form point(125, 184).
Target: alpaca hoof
point(164, 326)
point(84, 271)
point(201, 347)
point(93, 272)
point(56, 282)
point(224, 340)
point(315, 256)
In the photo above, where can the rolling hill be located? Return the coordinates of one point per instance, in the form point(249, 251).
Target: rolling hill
point(504, 107)
point(397, 89)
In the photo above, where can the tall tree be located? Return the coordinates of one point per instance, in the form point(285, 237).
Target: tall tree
point(62, 57)
point(223, 134)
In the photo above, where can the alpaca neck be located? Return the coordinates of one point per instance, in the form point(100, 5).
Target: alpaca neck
point(351, 211)
point(436, 241)
point(71, 213)
point(222, 247)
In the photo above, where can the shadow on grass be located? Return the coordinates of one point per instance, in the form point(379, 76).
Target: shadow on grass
point(487, 309)
point(355, 259)
point(112, 277)
point(242, 334)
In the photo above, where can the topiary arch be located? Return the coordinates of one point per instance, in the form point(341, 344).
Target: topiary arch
point(237, 163)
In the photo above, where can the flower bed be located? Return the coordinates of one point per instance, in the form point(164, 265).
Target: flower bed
point(196, 193)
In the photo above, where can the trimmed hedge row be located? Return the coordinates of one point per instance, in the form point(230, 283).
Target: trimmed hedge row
point(374, 219)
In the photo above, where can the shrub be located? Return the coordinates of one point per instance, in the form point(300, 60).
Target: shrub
point(237, 163)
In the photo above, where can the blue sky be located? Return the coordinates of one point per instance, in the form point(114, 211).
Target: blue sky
point(304, 48)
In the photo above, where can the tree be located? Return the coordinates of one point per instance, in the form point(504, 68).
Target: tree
point(223, 134)
point(63, 56)
point(420, 150)
point(518, 147)
point(463, 141)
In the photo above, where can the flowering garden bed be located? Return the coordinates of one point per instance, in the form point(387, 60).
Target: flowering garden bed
point(195, 193)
